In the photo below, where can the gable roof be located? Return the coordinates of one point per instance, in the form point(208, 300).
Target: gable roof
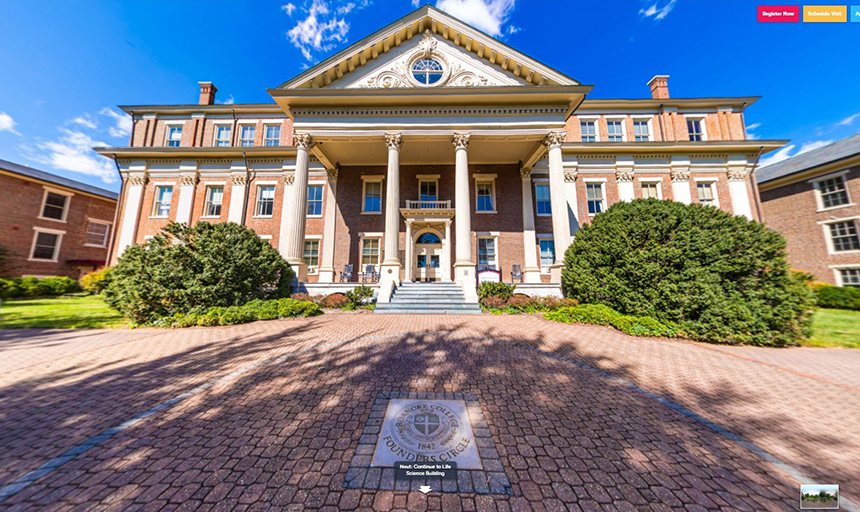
point(838, 150)
point(29, 172)
point(414, 24)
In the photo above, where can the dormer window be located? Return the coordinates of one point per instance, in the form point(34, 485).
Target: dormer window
point(427, 71)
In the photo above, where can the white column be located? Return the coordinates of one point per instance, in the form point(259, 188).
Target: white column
point(286, 202)
point(624, 177)
point(681, 181)
point(133, 196)
point(558, 203)
point(738, 174)
point(298, 209)
point(188, 183)
point(239, 179)
point(570, 174)
point(446, 252)
point(390, 271)
point(409, 247)
point(327, 271)
point(464, 268)
point(531, 270)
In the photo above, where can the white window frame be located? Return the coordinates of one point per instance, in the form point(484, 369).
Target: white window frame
point(321, 185)
point(239, 139)
point(590, 119)
point(616, 119)
point(545, 270)
point(542, 182)
point(369, 236)
point(107, 235)
point(173, 124)
point(47, 231)
point(155, 201)
point(313, 270)
point(257, 198)
point(215, 140)
point(491, 178)
point(428, 178)
point(266, 126)
point(372, 179)
point(65, 208)
point(702, 124)
point(825, 224)
point(206, 187)
point(652, 181)
point(816, 182)
point(837, 272)
point(602, 183)
point(488, 235)
point(647, 121)
point(713, 183)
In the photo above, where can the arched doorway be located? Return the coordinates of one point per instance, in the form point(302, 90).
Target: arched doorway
point(427, 258)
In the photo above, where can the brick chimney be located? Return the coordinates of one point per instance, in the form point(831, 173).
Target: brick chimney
point(207, 93)
point(660, 87)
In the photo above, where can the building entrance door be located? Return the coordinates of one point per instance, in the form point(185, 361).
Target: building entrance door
point(427, 264)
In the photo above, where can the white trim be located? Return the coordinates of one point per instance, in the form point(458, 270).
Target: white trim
point(594, 180)
point(546, 270)
point(491, 235)
point(652, 181)
point(374, 178)
point(491, 178)
point(215, 126)
point(274, 124)
point(55, 256)
point(816, 182)
point(428, 177)
point(648, 119)
point(602, 183)
point(713, 183)
point(313, 270)
point(590, 119)
point(544, 182)
point(702, 124)
point(107, 235)
point(152, 214)
point(320, 184)
point(617, 118)
point(68, 195)
point(828, 176)
point(257, 198)
point(828, 236)
point(837, 272)
point(369, 236)
point(206, 188)
point(265, 237)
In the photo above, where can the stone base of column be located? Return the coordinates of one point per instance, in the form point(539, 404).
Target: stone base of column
point(555, 273)
point(390, 272)
point(326, 275)
point(531, 275)
point(300, 270)
point(465, 276)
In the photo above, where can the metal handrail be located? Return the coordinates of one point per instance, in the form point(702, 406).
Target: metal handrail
point(428, 205)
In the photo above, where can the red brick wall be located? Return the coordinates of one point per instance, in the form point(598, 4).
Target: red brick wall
point(669, 126)
point(792, 210)
point(20, 209)
point(198, 132)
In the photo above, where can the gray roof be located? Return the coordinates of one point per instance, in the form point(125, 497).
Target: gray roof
point(838, 150)
point(23, 170)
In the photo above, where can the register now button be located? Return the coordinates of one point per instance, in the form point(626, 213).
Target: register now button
point(778, 13)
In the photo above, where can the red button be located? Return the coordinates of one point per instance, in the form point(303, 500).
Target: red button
point(779, 13)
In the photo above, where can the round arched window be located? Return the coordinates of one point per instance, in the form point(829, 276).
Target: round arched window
point(427, 71)
point(428, 238)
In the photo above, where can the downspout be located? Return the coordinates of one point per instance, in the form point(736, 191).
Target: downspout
point(248, 179)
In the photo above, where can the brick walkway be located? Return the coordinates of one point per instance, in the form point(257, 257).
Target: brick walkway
point(283, 434)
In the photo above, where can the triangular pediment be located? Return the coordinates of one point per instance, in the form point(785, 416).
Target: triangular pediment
point(467, 56)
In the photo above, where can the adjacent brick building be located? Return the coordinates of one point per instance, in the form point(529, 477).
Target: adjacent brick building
point(812, 200)
point(429, 150)
point(53, 226)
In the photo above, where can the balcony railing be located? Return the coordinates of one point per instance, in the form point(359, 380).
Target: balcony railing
point(428, 205)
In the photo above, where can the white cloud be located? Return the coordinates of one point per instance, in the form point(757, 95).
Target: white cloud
point(415, 3)
point(123, 123)
point(486, 15)
point(658, 13)
point(786, 152)
point(228, 101)
point(513, 30)
point(848, 120)
point(73, 152)
point(289, 8)
point(7, 124)
point(322, 29)
point(85, 120)
point(749, 130)
point(753, 126)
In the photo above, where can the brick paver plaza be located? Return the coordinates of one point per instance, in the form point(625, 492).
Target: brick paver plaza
point(282, 432)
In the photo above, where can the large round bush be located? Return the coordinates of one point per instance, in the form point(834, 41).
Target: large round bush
point(203, 266)
point(722, 278)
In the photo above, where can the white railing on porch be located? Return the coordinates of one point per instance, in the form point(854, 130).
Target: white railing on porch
point(428, 205)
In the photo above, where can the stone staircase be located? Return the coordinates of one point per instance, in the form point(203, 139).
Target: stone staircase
point(428, 299)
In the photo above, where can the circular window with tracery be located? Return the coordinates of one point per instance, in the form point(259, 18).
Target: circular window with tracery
point(427, 71)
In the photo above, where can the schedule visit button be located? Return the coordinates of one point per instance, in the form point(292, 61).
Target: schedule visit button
point(825, 13)
point(778, 13)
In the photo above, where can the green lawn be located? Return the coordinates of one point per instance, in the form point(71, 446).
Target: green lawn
point(835, 328)
point(67, 312)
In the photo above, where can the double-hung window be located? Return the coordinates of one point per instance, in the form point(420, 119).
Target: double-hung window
point(312, 254)
point(174, 136)
point(615, 131)
point(832, 192)
point(547, 254)
point(485, 195)
point(641, 131)
point(212, 206)
point(315, 200)
point(369, 252)
point(850, 277)
point(487, 253)
point(650, 190)
point(542, 199)
point(222, 134)
point(46, 245)
point(694, 129)
point(247, 133)
point(844, 236)
point(273, 135)
point(595, 197)
point(707, 195)
point(55, 206)
point(427, 191)
point(161, 205)
point(265, 201)
point(97, 234)
point(372, 197)
point(588, 130)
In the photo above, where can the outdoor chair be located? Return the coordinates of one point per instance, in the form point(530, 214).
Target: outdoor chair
point(346, 275)
point(370, 275)
point(517, 273)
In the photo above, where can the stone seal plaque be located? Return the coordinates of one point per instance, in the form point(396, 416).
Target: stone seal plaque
point(426, 430)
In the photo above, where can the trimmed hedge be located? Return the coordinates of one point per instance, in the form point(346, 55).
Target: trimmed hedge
point(836, 297)
point(35, 287)
point(598, 314)
point(500, 290)
point(521, 303)
point(254, 310)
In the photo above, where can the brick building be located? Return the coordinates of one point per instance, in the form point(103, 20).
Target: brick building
point(811, 199)
point(53, 226)
point(429, 150)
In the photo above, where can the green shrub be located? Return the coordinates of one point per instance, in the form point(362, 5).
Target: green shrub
point(200, 267)
point(95, 282)
point(493, 303)
point(335, 301)
point(500, 290)
point(232, 315)
point(837, 297)
point(61, 285)
point(720, 277)
point(598, 314)
point(10, 288)
point(359, 295)
point(33, 287)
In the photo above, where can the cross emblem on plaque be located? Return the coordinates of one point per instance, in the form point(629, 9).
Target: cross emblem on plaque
point(426, 423)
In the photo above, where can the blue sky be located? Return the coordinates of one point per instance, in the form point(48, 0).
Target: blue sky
point(66, 65)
